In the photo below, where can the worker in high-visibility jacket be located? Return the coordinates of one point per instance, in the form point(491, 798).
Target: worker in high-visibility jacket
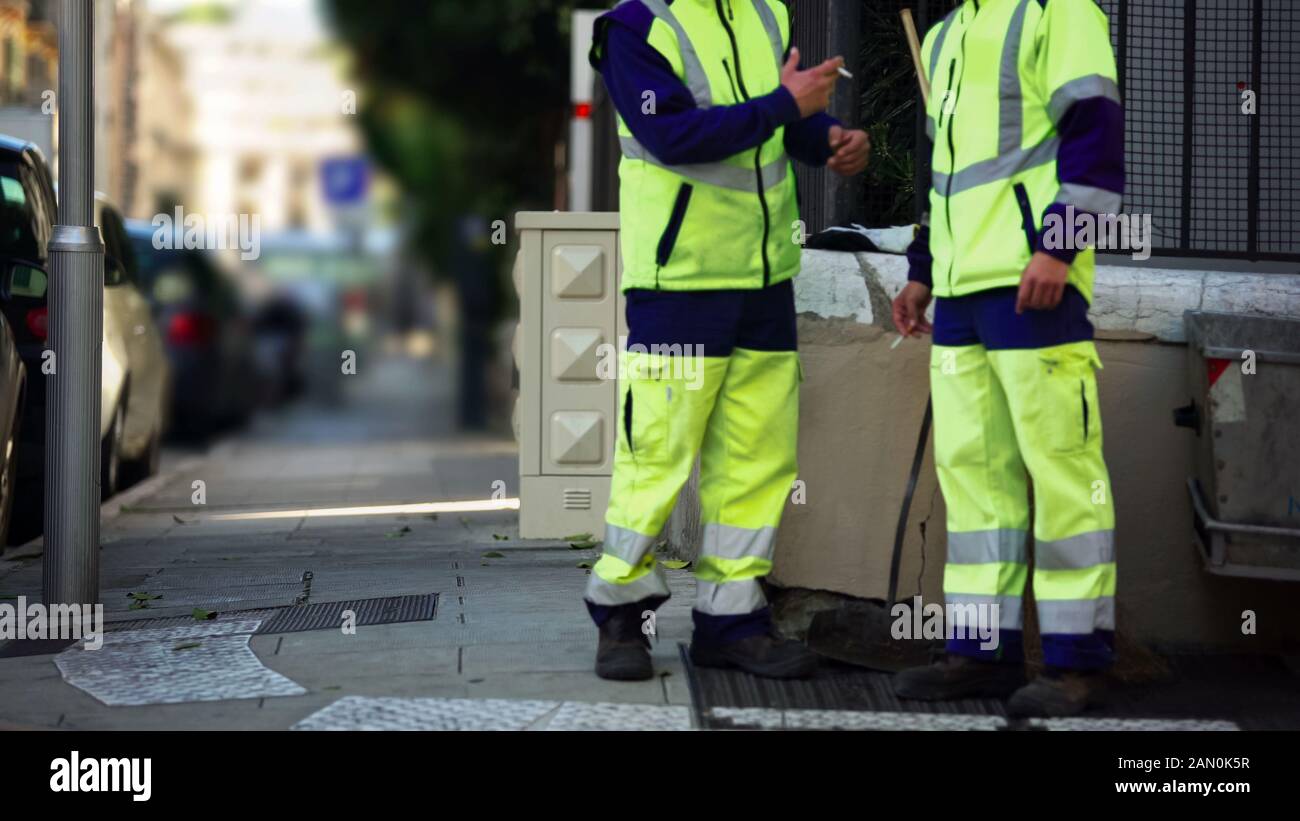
point(1028, 147)
point(711, 103)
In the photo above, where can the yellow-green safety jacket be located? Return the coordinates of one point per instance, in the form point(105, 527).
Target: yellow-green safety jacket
point(998, 93)
point(726, 224)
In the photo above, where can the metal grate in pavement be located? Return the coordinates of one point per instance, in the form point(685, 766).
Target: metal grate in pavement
point(329, 615)
point(836, 687)
point(1205, 692)
point(322, 616)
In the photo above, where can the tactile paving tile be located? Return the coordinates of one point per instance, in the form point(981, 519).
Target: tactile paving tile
point(137, 667)
point(576, 715)
point(862, 720)
point(769, 719)
point(364, 713)
point(1131, 724)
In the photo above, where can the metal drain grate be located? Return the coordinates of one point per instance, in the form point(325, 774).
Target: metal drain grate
point(1253, 691)
point(836, 686)
point(323, 616)
point(329, 615)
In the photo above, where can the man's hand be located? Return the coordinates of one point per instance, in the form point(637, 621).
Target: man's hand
point(811, 89)
point(909, 310)
point(1042, 284)
point(852, 149)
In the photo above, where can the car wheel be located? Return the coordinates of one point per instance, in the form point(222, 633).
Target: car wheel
point(110, 455)
point(9, 479)
point(137, 470)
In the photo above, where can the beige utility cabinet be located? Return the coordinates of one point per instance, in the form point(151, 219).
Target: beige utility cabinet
point(571, 323)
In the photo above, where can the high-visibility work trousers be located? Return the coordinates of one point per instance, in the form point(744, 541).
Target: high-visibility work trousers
point(1001, 419)
point(737, 409)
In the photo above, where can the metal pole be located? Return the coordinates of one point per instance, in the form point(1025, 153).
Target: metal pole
point(71, 566)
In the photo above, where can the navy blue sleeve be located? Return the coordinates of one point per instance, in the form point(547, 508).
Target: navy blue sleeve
point(666, 120)
point(808, 140)
point(1089, 166)
point(919, 260)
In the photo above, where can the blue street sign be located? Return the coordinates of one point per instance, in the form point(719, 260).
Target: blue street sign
point(345, 179)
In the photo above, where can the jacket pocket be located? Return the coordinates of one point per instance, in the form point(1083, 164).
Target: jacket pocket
point(1027, 217)
point(668, 239)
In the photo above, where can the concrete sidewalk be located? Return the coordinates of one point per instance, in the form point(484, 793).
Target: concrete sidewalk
point(508, 626)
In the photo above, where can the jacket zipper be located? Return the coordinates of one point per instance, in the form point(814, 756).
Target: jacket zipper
point(952, 148)
point(727, 68)
point(758, 152)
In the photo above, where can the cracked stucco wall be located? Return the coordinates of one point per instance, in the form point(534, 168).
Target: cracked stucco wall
point(861, 407)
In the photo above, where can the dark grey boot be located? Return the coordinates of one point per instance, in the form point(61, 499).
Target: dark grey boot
point(1056, 695)
point(959, 677)
point(762, 655)
point(623, 651)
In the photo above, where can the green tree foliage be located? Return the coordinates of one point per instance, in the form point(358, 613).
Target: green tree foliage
point(462, 102)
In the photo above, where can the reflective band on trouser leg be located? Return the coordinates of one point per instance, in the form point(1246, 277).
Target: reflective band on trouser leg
point(664, 405)
point(984, 489)
point(1053, 397)
point(747, 467)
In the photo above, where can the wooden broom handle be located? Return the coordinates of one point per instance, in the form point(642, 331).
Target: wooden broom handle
point(914, 44)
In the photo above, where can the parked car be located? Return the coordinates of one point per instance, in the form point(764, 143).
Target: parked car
point(206, 332)
point(17, 250)
point(135, 379)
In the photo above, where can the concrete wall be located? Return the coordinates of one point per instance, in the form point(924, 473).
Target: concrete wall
point(861, 411)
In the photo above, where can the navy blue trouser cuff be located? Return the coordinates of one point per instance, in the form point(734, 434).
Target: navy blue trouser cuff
point(715, 630)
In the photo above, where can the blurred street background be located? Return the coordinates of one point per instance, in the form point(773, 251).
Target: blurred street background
point(322, 395)
point(299, 191)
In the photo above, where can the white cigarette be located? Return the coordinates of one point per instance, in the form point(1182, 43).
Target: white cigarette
point(844, 72)
point(897, 342)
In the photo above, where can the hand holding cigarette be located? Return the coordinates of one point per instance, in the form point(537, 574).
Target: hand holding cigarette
point(811, 88)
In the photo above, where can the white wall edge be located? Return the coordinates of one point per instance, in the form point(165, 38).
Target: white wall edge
point(840, 285)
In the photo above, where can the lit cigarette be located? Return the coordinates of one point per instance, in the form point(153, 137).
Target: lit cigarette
point(897, 342)
point(844, 72)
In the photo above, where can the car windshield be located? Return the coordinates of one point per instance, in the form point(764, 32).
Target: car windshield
point(17, 219)
point(173, 275)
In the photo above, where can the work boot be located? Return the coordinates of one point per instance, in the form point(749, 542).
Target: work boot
point(956, 676)
point(763, 655)
point(623, 651)
point(1056, 695)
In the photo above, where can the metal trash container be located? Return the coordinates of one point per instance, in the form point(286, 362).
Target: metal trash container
point(1244, 373)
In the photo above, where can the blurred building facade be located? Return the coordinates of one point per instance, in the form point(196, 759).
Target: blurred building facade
point(268, 109)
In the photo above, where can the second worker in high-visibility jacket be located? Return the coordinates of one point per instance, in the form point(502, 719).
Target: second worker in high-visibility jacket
point(711, 104)
point(1028, 146)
